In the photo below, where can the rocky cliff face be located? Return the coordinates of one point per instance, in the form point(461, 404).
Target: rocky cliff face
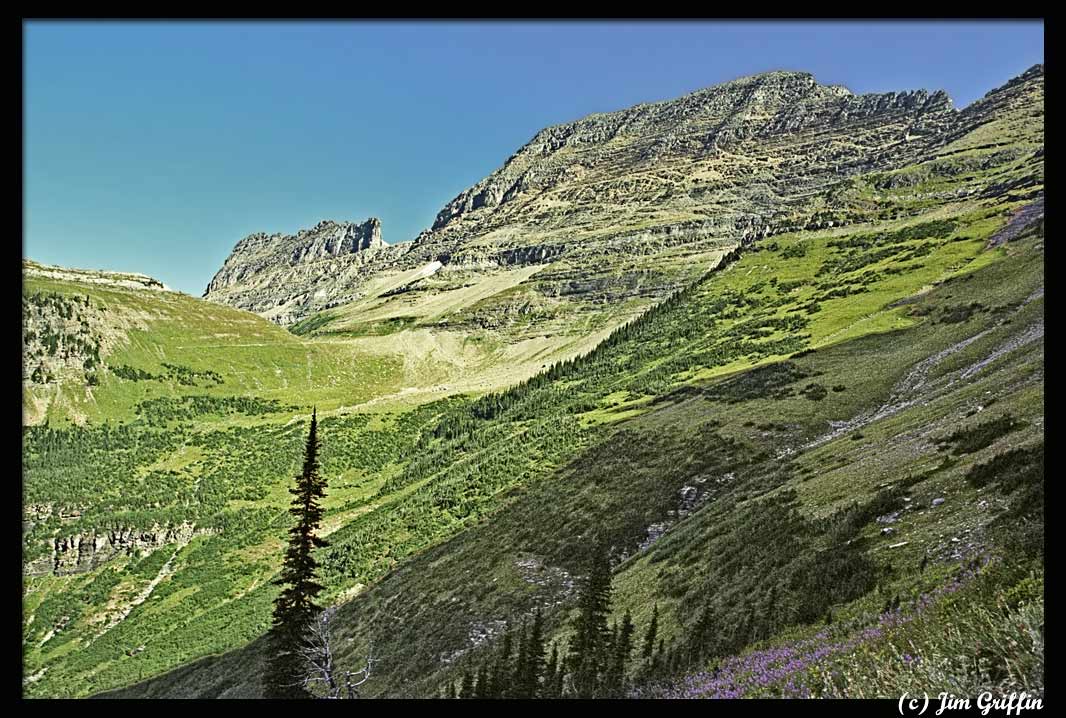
point(665, 183)
point(127, 280)
point(83, 551)
point(704, 126)
point(283, 276)
point(69, 332)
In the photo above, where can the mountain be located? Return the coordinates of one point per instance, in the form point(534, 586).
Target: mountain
point(763, 341)
point(622, 206)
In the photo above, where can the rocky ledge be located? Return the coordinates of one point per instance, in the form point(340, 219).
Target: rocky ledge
point(80, 552)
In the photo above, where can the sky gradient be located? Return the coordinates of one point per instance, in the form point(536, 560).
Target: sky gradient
point(155, 147)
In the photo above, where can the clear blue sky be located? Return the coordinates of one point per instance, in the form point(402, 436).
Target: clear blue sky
point(154, 147)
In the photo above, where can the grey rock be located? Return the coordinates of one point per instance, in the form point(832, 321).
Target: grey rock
point(81, 552)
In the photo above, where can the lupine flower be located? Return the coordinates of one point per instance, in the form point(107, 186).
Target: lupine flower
point(780, 669)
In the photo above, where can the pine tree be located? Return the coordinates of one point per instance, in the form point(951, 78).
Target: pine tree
point(466, 687)
point(519, 679)
point(649, 637)
point(535, 655)
point(657, 659)
point(295, 608)
point(621, 648)
point(530, 665)
point(500, 681)
point(481, 683)
point(552, 675)
point(589, 650)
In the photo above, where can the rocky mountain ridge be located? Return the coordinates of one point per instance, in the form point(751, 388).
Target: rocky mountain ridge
point(701, 123)
point(664, 182)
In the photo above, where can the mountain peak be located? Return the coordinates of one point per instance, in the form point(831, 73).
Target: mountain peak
point(775, 104)
point(733, 161)
point(316, 254)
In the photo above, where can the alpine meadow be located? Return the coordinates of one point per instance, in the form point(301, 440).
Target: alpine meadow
point(733, 395)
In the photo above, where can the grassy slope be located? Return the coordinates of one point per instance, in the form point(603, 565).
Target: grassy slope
point(157, 452)
point(714, 423)
point(253, 356)
point(560, 459)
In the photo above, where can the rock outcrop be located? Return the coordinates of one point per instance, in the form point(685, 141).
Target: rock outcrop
point(84, 551)
point(127, 280)
point(286, 276)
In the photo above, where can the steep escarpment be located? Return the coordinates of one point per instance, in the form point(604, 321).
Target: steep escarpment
point(69, 331)
point(702, 127)
point(79, 552)
point(739, 160)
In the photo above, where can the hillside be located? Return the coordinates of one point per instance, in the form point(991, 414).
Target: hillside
point(152, 423)
point(854, 326)
point(770, 469)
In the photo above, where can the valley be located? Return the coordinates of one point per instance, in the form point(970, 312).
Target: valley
point(758, 341)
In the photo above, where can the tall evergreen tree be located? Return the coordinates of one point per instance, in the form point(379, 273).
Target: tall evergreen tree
point(653, 630)
point(481, 683)
point(621, 648)
point(295, 608)
point(502, 671)
point(535, 655)
point(553, 675)
point(530, 666)
point(466, 688)
point(589, 654)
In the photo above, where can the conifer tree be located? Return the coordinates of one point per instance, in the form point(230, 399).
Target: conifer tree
point(588, 657)
point(621, 648)
point(552, 675)
point(295, 608)
point(530, 665)
point(481, 683)
point(466, 687)
point(500, 681)
point(653, 629)
point(535, 655)
point(518, 682)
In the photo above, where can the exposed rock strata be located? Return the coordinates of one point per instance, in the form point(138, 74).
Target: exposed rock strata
point(80, 552)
